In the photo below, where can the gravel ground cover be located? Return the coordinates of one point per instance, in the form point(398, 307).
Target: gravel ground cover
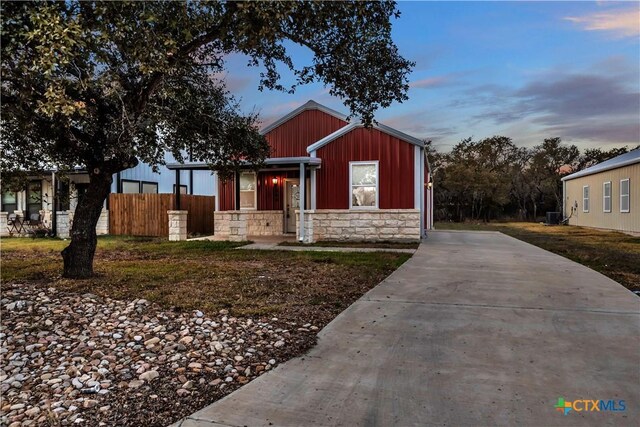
point(163, 329)
point(70, 359)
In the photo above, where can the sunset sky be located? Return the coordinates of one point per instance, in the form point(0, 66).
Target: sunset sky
point(523, 70)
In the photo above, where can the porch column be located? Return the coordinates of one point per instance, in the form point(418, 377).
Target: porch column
point(303, 184)
point(177, 189)
point(312, 173)
point(237, 189)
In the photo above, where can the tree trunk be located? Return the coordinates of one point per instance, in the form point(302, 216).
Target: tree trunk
point(78, 256)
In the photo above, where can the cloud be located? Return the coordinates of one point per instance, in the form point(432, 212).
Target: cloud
point(579, 96)
point(233, 84)
point(599, 105)
point(604, 132)
point(621, 23)
point(430, 82)
point(421, 124)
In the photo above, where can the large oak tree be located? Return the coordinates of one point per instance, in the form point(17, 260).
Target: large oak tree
point(104, 85)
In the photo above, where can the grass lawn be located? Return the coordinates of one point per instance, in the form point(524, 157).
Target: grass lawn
point(208, 275)
point(616, 255)
point(356, 244)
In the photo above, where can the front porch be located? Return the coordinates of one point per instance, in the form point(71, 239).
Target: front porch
point(263, 202)
point(271, 201)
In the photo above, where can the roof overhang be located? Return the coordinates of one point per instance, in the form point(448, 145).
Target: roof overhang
point(272, 161)
point(595, 169)
point(351, 126)
point(310, 105)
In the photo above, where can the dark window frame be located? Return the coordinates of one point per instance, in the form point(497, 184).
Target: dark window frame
point(142, 183)
point(80, 190)
point(186, 189)
point(134, 181)
point(63, 196)
point(38, 203)
point(4, 205)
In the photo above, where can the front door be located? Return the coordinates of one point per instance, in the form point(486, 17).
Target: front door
point(292, 203)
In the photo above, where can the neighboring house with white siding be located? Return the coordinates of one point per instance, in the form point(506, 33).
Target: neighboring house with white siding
point(606, 195)
point(38, 196)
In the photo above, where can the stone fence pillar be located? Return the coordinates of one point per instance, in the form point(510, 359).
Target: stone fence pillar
point(63, 224)
point(177, 225)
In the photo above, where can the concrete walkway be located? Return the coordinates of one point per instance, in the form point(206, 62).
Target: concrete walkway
point(275, 247)
point(271, 243)
point(476, 329)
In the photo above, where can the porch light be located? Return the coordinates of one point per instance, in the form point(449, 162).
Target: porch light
point(275, 181)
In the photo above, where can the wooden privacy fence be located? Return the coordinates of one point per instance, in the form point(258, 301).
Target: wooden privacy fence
point(200, 217)
point(146, 214)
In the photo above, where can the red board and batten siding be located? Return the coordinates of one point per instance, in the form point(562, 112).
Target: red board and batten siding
point(292, 138)
point(270, 195)
point(395, 169)
point(226, 195)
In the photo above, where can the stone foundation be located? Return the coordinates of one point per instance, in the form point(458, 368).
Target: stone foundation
point(331, 224)
point(64, 220)
point(102, 227)
point(4, 231)
point(237, 225)
point(373, 225)
point(177, 225)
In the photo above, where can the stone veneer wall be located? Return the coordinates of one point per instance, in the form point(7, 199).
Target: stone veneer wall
point(339, 224)
point(65, 218)
point(4, 231)
point(102, 227)
point(237, 225)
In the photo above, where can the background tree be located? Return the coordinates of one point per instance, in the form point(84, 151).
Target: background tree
point(550, 161)
point(494, 179)
point(475, 179)
point(104, 85)
point(593, 156)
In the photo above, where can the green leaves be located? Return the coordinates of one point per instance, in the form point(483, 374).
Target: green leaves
point(96, 83)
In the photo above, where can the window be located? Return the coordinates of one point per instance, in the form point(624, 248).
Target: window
point(9, 202)
point(149, 187)
point(63, 201)
point(183, 189)
point(248, 190)
point(81, 190)
point(134, 187)
point(585, 198)
point(606, 196)
point(624, 195)
point(34, 197)
point(363, 178)
point(130, 187)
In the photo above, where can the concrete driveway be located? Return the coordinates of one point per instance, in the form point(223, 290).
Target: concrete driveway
point(476, 329)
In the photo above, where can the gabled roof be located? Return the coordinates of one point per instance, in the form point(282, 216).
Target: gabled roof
point(625, 159)
point(351, 126)
point(309, 105)
point(312, 105)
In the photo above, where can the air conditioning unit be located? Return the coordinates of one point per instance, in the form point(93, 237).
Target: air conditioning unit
point(554, 218)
